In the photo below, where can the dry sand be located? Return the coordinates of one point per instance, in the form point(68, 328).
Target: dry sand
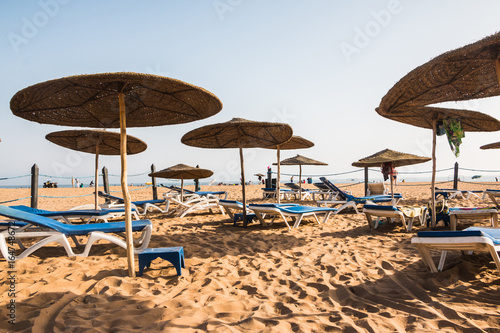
point(338, 276)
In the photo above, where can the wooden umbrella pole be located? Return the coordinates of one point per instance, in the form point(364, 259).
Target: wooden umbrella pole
point(392, 187)
point(126, 194)
point(182, 189)
point(243, 187)
point(96, 176)
point(433, 183)
point(278, 177)
point(300, 182)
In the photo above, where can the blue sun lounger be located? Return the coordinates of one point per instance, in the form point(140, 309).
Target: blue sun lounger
point(350, 200)
point(231, 206)
point(470, 239)
point(219, 194)
point(68, 216)
point(145, 205)
point(295, 212)
point(49, 230)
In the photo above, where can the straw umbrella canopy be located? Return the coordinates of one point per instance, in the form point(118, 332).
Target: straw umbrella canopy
point(98, 142)
point(182, 171)
point(296, 142)
point(396, 158)
point(300, 161)
point(469, 72)
point(428, 117)
point(239, 133)
point(115, 100)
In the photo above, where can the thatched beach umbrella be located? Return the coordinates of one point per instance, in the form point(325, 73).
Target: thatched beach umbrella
point(300, 161)
point(239, 133)
point(182, 171)
point(428, 117)
point(115, 100)
point(396, 159)
point(98, 142)
point(296, 142)
point(469, 72)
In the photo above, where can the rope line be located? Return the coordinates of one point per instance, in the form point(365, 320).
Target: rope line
point(15, 200)
point(72, 196)
point(138, 174)
point(5, 178)
point(65, 177)
point(136, 189)
point(479, 170)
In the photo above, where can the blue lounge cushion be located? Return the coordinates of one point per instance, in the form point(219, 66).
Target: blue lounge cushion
point(491, 233)
point(274, 205)
point(70, 229)
point(143, 202)
point(49, 213)
point(222, 201)
point(380, 207)
point(306, 209)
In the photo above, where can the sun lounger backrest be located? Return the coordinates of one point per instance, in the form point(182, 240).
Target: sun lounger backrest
point(342, 195)
point(110, 197)
point(178, 189)
point(34, 219)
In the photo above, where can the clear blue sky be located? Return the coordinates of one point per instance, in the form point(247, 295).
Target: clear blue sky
point(321, 66)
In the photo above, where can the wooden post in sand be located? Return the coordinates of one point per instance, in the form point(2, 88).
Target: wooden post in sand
point(455, 177)
point(105, 180)
point(96, 176)
point(153, 182)
point(245, 222)
point(34, 186)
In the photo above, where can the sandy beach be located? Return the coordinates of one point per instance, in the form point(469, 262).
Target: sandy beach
point(337, 276)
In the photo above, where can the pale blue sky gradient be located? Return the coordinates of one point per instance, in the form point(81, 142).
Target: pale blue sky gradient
point(266, 60)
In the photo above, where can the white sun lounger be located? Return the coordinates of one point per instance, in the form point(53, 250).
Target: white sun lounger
point(470, 239)
point(296, 213)
point(50, 231)
point(193, 204)
point(407, 215)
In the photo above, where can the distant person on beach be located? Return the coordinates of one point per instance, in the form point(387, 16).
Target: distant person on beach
point(91, 183)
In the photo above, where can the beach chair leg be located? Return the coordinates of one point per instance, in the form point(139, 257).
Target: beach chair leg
point(425, 254)
point(298, 219)
point(494, 255)
point(370, 221)
point(453, 222)
point(261, 219)
point(494, 221)
point(441, 260)
point(327, 216)
point(408, 224)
